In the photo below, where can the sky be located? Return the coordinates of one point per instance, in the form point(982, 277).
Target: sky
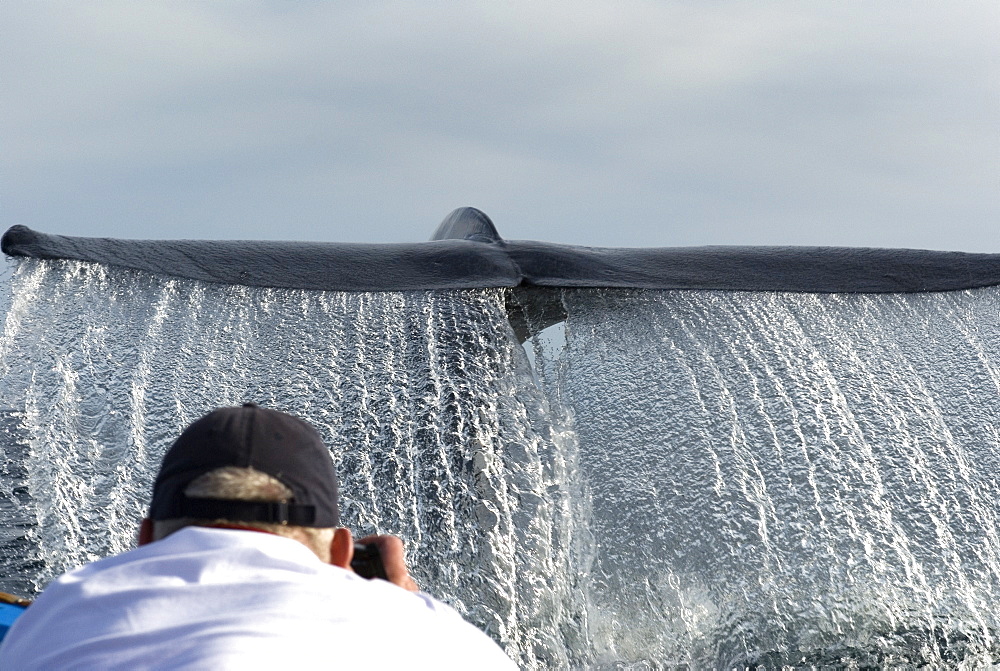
point(623, 124)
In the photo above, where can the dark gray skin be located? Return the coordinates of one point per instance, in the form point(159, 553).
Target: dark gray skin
point(466, 252)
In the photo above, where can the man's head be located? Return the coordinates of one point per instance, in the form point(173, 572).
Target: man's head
point(248, 466)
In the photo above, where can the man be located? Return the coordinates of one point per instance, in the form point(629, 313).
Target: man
point(242, 564)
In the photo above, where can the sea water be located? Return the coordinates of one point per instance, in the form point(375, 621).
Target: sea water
point(787, 479)
point(668, 479)
point(425, 399)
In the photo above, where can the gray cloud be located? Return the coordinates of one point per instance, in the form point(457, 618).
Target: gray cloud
point(630, 123)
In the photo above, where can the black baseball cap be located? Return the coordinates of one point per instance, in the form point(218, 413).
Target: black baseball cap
point(275, 443)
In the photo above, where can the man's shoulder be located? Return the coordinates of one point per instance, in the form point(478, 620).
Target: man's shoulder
point(255, 586)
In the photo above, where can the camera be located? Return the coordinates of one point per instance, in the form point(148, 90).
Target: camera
point(367, 561)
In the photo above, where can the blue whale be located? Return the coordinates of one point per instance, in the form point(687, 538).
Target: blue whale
point(467, 252)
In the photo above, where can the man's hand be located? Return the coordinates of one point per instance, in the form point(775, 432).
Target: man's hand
point(391, 549)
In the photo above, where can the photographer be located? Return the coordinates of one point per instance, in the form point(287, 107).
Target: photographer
point(243, 564)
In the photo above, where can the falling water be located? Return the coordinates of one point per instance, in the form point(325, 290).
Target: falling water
point(677, 479)
point(787, 479)
point(425, 398)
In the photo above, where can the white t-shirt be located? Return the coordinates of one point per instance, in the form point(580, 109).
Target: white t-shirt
point(231, 599)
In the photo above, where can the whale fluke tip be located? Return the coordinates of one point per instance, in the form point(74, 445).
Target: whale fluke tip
point(16, 235)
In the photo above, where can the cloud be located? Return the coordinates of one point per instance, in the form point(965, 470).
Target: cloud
point(642, 123)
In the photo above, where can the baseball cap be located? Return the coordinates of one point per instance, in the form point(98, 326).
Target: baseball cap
point(278, 444)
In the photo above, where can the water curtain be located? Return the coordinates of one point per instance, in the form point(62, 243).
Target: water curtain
point(787, 479)
point(658, 478)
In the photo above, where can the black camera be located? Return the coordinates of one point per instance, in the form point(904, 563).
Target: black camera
point(367, 561)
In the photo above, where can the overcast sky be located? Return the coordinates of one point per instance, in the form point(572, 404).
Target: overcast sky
point(623, 123)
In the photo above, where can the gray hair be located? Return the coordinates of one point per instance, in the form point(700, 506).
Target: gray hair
point(246, 484)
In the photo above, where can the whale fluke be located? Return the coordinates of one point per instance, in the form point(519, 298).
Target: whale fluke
point(467, 252)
